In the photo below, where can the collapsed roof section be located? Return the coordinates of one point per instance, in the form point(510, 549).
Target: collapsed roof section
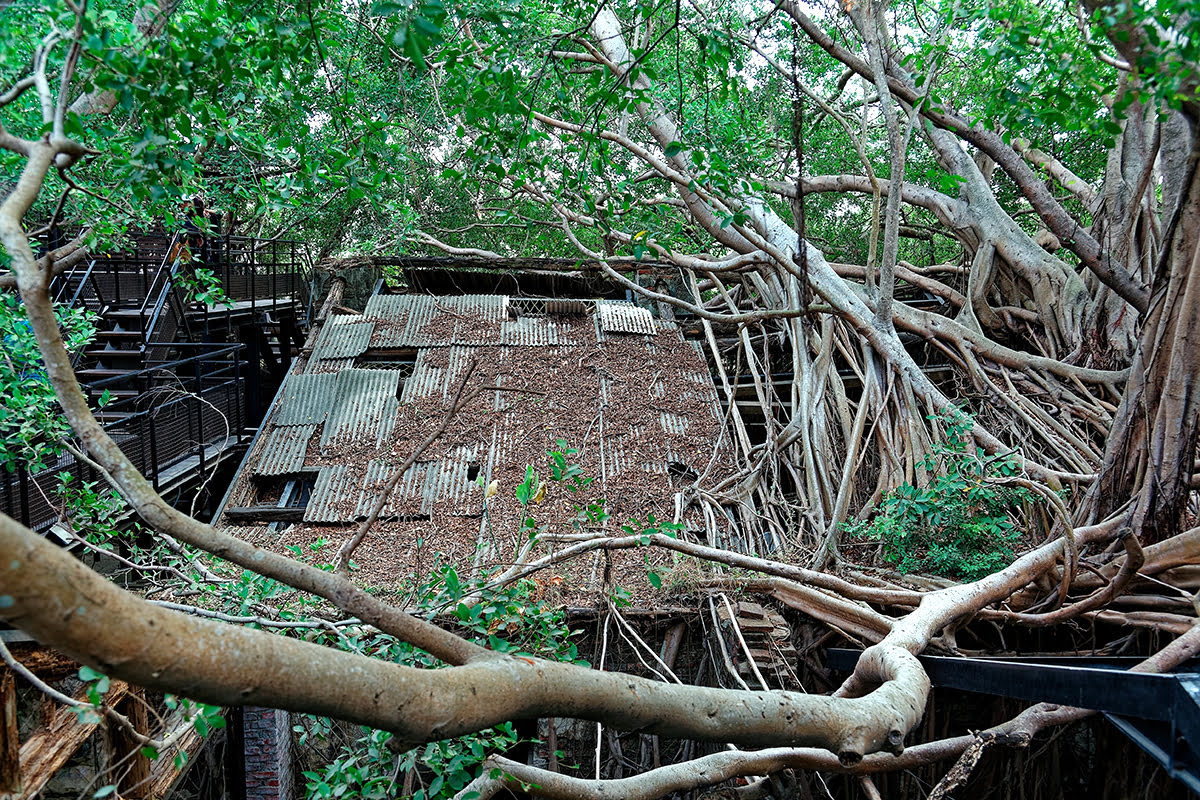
point(623, 388)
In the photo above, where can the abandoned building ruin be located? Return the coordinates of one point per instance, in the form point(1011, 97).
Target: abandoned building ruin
point(481, 371)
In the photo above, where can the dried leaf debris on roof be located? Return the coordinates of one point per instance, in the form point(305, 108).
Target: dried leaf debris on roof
point(626, 389)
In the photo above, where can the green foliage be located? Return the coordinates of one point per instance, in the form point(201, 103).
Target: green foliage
point(94, 512)
point(31, 424)
point(590, 513)
point(202, 286)
point(96, 685)
point(527, 489)
point(959, 523)
point(510, 619)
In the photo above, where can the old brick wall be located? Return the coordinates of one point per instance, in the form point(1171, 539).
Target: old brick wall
point(268, 752)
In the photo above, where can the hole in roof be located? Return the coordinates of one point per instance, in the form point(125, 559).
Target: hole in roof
point(402, 361)
point(298, 491)
point(472, 472)
point(681, 474)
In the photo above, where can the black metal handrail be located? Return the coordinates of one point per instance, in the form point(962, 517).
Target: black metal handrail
point(179, 426)
point(221, 349)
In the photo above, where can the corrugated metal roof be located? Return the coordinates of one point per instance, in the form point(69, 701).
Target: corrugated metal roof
point(391, 408)
point(343, 336)
point(306, 399)
point(430, 378)
point(480, 316)
point(360, 404)
point(387, 306)
point(570, 307)
point(328, 366)
point(283, 452)
point(529, 332)
point(447, 483)
point(425, 485)
point(617, 458)
point(620, 317)
point(390, 312)
point(330, 496)
point(421, 321)
point(673, 423)
point(422, 311)
point(378, 472)
point(426, 378)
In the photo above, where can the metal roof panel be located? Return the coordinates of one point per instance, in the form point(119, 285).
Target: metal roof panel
point(343, 336)
point(528, 332)
point(329, 501)
point(283, 452)
point(306, 399)
point(378, 473)
point(620, 317)
point(430, 378)
point(387, 306)
point(360, 404)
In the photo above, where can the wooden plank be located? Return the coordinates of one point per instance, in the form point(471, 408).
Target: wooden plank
point(10, 741)
point(133, 774)
point(47, 750)
point(164, 776)
point(264, 514)
point(43, 661)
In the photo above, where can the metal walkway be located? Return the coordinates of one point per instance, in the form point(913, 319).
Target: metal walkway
point(1159, 712)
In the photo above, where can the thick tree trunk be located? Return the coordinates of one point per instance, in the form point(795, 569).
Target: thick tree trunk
point(1153, 443)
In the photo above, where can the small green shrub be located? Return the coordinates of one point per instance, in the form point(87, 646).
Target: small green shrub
point(959, 523)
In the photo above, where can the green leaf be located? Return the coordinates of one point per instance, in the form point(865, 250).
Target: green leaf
point(673, 149)
point(528, 487)
point(88, 674)
point(387, 9)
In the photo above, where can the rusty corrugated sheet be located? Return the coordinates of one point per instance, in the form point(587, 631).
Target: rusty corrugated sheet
point(359, 405)
point(306, 399)
point(343, 336)
point(330, 500)
point(283, 452)
point(479, 318)
point(619, 317)
point(378, 473)
point(431, 380)
point(529, 332)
